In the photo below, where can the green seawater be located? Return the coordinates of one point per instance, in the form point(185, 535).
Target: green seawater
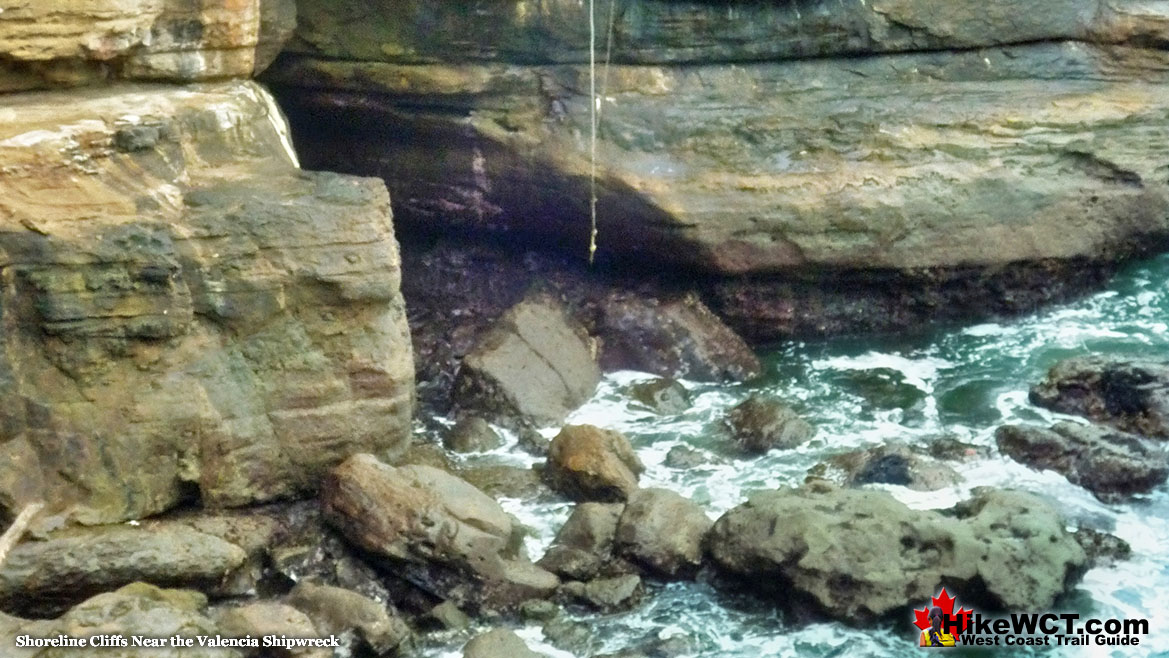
point(958, 381)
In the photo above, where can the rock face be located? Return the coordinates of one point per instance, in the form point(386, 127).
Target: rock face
point(536, 366)
point(185, 312)
point(72, 42)
point(663, 532)
point(972, 153)
point(45, 577)
point(1106, 462)
point(437, 531)
point(589, 463)
point(760, 424)
point(1131, 395)
point(858, 555)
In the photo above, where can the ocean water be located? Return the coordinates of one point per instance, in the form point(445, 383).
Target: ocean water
point(959, 381)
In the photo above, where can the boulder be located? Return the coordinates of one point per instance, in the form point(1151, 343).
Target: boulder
point(338, 611)
point(663, 532)
point(1129, 394)
point(589, 463)
point(434, 530)
point(45, 577)
point(187, 314)
point(263, 618)
point(678, 337)
point(859, 555)
point(59, 42)
point(1104, 461)
point(136, 609)
point(471, 435)
point(498, 643)
point(609, 594)
point(760, 424)
point(892, 463)
point(685, 457)
point(663, 396)
point(536, 365)
point(584, 544)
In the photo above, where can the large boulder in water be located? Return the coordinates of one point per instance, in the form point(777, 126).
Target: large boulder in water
point(435, 530)
point(663, 532)
point(858, 555)
point(535, 366)
point(1104, 461)
point(590, 463)
point(1129, 394)
point(759, 424)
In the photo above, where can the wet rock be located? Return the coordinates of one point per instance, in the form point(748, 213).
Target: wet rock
point(500, 480)
point(270, 618)
point(1129, 394)
point(136, 609)
point(609, 594)
point(436, 531)
point(337, 611)
point(583, 545)
point(499, 643)
point(893, 463)
point(535, 366)
point(881, 388)
point(1106, 462)
point(858, 555)
point(539, 610)
point(760, 424)
point(663, 396)
point(589, 463)
point(472, 435)
point(222, 326)
point(663, 532)
point(447, 615)
point(948, 448)
point(532, 442)
point(1102, 548)
point(672, 338)
point(45, 577)
point(684, 457)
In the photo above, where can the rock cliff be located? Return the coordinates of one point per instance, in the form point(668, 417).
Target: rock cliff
point(974, 146)
point(187, 316)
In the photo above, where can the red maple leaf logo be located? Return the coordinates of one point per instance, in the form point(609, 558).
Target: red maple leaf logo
point(921, 618)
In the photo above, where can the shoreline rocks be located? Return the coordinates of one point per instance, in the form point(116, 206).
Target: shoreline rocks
point(1131, 395)
point(590, 463)
point(856, 556)
point(759, 424)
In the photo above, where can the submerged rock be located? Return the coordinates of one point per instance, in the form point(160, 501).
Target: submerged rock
point(662, 396)
point(760, 424)
point(1106, 462)
point(859, 555)
point(435, 531)
point(1129, 394)
point(499, 643)
point(472, 435)
point(663, 532)
point(589, 463)
point(534, 367)
point(45, 577)
point(893, 463)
